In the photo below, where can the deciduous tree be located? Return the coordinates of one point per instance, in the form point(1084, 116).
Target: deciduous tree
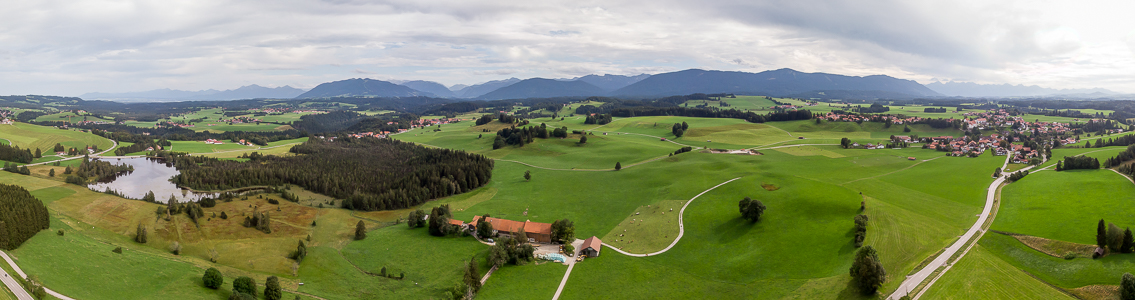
point(213, 278)
point(867, 271)
point(751, 210)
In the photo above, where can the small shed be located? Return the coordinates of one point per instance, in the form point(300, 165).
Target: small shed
point(910, 158)
point(591, 247)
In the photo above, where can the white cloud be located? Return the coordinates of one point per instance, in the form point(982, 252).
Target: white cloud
point(69, 48)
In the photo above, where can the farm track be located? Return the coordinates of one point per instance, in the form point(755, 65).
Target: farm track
point(892, 172)
point(681, 225)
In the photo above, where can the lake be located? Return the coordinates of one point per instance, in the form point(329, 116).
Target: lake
point(148, 175)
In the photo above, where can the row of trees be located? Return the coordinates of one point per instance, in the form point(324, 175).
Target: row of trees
point(14, 153)
point(752, 117)
point(16, 168)
point(1121, 158)
point(1077, 162)
point(244, 287)
point(21, 216)
point(860, 229)
point(368, 173)
point(1018, 175)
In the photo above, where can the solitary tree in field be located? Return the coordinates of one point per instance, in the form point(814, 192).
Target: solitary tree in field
point(213, 278)
point(618, 166)
point(360, 231)
point(51, 173)
point(867, 271)
point(1127, 287)
point(751, 210)
point(527, 175)
point(583, 139)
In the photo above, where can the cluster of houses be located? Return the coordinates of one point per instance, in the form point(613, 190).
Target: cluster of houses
point(172, 124)
point(864, 118)
point(430, 122)
point(6, 121)
point(963, 146)
point(239, 120)
point(214, 142)
point(380, 134)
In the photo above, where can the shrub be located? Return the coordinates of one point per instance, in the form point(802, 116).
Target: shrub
point(569, 249)
point(1127, 287)
point(244, 285)
point(273, 201)
point(1069, 256)
point(117, 250)
point(213, 278)
point(175, 247)
point(61, 232)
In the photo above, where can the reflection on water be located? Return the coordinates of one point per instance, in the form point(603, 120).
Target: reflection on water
point(148, 175)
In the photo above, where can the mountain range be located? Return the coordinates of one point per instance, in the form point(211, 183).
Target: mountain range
point(970, 89)
point(244, 92)
point(777, 83)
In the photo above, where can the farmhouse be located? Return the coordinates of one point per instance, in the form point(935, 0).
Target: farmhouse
point(540, 232)
point(591, 247)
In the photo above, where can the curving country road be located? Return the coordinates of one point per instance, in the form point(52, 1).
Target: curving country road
point(942, 260)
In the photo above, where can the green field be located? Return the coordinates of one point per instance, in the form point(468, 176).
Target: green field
point(33, 136)
point(982, 275)
point(1066, 205)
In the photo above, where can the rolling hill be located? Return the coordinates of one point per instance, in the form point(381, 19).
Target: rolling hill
point(361, 87)
point(544, 88)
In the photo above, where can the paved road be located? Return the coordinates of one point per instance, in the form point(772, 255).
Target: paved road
point(15, 286)
point(571, 265)
point(681, 226)
point(25, 276)
point(913, 281)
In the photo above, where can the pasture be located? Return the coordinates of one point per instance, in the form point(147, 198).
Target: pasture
point(982, 275)
point(30, 136)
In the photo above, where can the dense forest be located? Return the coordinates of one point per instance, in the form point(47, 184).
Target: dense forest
point(21, 216)
point(370, 174)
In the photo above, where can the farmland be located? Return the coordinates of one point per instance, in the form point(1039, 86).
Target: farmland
point(918, 201)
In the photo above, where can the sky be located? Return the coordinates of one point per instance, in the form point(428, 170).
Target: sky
point(71, 47)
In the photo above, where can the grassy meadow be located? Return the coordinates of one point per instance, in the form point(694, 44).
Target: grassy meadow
point(30, 136)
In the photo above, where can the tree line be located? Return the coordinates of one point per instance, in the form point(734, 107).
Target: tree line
point(368, 173)
point(14, 153)
point(1077, 162)
point(21, 216)
point(96, 170)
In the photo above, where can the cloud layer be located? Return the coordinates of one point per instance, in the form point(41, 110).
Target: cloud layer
point(73, 47)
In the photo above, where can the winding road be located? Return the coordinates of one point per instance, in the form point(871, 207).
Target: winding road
point(943, 259)
point(25, 276)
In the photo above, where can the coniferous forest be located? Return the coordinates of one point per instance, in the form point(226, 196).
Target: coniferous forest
point(369, 173)
point(21, 216)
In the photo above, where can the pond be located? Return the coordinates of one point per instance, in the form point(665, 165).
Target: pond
point(149, 175)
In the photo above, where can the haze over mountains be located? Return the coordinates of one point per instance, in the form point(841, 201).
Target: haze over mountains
point(777, 83)
point(244, 92)
point(970, 89)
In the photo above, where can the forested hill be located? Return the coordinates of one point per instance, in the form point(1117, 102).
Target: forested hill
point(369, 173)
point(544, 88)
point(21, 215)
point(360, 87)
point(776, 83)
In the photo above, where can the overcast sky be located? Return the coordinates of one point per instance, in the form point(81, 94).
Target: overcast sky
point(70, 47)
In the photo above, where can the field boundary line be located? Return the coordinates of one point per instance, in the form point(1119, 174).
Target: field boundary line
point(681, 225)
point(892, 172)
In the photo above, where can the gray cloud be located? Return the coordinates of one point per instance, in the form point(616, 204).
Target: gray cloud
point(69, 48)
